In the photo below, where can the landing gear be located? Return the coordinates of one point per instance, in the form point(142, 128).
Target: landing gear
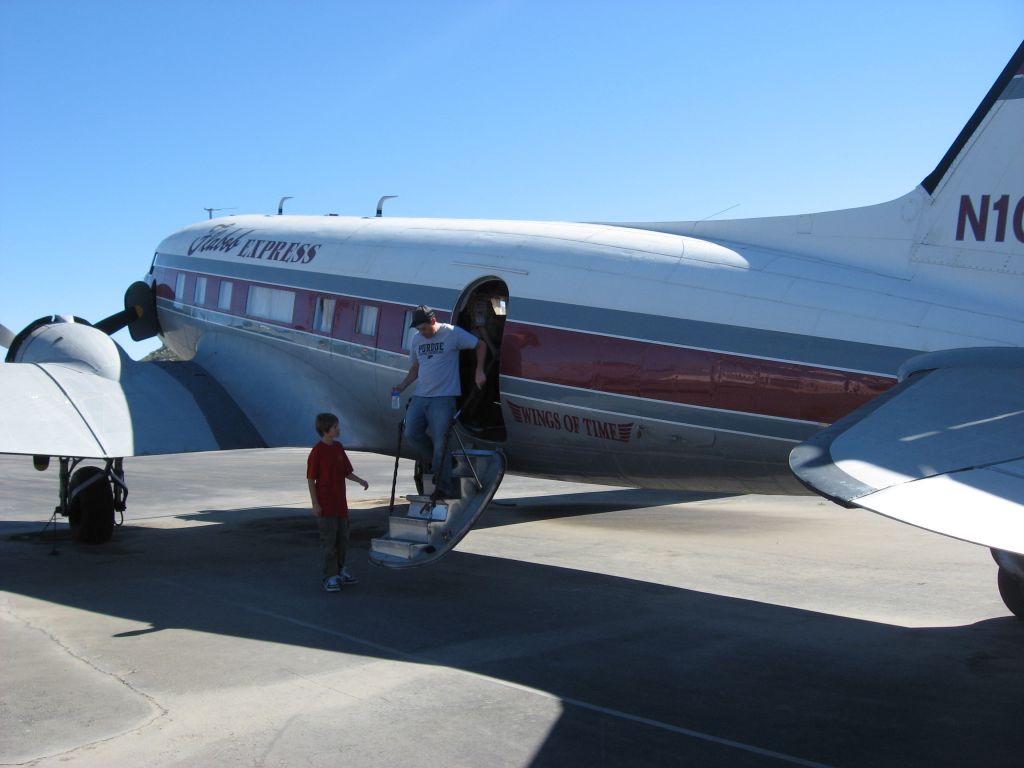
point(89, 497)
point(90, 506)
point(1011, 580)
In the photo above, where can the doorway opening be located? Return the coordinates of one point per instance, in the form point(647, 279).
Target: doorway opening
point(482, 310)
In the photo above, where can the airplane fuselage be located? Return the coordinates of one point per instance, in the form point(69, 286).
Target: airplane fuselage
point(626, 357)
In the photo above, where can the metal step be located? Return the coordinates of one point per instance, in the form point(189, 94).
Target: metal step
point(409, 529)
point(421, 508)
point(404, 550)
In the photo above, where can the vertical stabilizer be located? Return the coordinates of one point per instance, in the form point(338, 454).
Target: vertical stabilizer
point(975, 215)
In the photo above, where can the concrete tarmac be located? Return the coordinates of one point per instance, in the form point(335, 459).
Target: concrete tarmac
point(578, 625)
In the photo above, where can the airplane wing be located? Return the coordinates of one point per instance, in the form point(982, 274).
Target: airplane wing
point(943, 450)
point(75, 393)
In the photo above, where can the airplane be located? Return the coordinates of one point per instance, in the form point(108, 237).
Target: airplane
point(872, 355)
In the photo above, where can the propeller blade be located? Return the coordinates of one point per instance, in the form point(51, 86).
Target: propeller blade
point(119, 320)
point(6, 336)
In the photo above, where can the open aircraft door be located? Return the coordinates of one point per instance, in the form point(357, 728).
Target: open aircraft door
point(482, 310)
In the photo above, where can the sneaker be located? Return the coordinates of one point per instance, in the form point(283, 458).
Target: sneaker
point(347, 578)
point(332, 584)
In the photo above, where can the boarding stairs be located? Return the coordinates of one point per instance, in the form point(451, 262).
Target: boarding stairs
point(432, 526)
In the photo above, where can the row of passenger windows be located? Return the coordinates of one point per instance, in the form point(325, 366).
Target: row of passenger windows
point(223, 294)
point(279, 305)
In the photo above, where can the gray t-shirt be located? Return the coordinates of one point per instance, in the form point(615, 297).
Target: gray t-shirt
point(438, 357)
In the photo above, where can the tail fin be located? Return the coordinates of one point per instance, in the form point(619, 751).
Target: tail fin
point(1009, 86)
point(976, 212)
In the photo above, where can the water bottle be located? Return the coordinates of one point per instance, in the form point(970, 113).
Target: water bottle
point(396, 399)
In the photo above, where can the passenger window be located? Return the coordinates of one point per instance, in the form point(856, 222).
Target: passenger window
point(271, 303)
point(200, 292)
point(224, 297)
point(367, 324)
point(323, 316)
point(407, 334)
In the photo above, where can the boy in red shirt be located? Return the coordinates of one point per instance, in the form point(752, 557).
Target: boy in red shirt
point(326, 471)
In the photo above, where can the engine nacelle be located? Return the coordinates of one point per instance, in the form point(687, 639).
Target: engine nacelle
point(71, 342)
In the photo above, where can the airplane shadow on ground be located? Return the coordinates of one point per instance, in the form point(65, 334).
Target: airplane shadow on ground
point(641, 669)
point(510, 511)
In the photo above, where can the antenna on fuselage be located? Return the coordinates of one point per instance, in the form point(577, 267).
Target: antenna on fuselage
point(721, 211)
point(210, 211)
point(280, 204)
point(380, 204)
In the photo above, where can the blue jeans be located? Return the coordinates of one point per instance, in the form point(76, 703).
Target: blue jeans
point(426, 423)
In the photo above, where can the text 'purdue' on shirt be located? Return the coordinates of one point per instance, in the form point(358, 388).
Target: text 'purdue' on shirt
point(438, 357)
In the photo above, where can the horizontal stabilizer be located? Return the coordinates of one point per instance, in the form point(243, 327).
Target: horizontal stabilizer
point(941, 451)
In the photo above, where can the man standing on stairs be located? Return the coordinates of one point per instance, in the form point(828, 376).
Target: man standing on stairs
point(434, 366)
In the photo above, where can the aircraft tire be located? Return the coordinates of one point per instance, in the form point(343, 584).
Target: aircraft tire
point(91, 512)
point(1011, 589)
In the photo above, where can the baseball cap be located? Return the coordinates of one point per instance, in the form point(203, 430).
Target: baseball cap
point(422, 314)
